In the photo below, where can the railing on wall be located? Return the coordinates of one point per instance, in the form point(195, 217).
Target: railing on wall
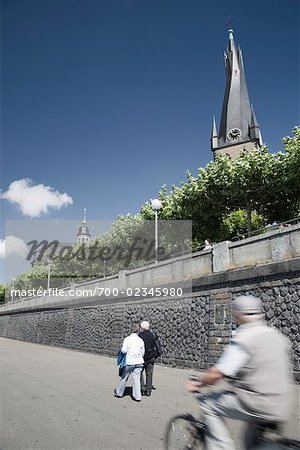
point(280, 244)
point(270, 227)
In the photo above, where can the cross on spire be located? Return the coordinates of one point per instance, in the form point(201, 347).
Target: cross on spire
point(229, 24)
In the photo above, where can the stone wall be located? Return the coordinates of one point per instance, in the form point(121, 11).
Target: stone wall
point(193, 329)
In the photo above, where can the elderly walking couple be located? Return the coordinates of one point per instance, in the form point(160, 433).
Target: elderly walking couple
point(140, 349)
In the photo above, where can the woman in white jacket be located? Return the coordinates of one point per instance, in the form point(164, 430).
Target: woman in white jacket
point(134, 348)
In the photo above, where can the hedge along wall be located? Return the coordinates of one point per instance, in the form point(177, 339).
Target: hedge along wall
point(193, 330)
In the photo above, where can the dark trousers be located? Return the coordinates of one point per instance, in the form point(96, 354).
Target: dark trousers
point(148, 369)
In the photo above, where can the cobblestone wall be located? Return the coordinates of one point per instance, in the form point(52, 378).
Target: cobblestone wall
point(193, 330)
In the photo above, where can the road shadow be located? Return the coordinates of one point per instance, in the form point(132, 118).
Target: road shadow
point(128, 391)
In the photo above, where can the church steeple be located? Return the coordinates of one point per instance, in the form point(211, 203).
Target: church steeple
point(238, 126)
point(83, 235)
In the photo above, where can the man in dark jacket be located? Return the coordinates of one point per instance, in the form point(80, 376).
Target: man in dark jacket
point(149, 357)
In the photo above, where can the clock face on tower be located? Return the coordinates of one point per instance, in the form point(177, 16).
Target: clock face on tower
point(234, 134)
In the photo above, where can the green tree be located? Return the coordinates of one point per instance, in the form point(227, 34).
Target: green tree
point(262, 184)
point(236, 224)
point(292, 147)
point(2, 292)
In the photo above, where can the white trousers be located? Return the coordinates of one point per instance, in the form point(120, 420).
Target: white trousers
point(218, 406)
point(135, 370)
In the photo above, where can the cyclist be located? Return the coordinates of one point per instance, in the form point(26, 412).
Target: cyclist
point(258, 364)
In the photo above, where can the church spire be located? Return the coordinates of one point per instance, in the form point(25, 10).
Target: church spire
point(237, 115)
point(83, 236)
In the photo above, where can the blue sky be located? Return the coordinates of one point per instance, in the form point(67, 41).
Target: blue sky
point(106, 100)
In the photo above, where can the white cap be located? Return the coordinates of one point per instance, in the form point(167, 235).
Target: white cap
point(248, 305)
point(145, 325)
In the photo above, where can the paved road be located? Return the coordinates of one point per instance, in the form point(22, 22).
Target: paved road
point(58, 399)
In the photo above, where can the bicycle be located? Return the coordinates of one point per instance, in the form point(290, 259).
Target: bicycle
point(185, 432)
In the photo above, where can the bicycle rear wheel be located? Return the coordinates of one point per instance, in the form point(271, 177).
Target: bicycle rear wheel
point(182, 433)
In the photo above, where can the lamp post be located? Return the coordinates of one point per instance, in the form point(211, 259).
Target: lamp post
point(156, 206)
point(49, 274)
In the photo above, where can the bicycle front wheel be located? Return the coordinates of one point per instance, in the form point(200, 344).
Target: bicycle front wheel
point(182, 434)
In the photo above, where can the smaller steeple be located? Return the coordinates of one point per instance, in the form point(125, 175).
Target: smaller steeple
point(214, 135)
point(254, 128)
point(83, 235)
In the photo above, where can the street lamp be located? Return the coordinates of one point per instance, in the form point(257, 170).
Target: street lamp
point(49, 274)
point(156, 206)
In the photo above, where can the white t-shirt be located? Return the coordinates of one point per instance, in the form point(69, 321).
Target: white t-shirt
point(232, 360)
point(134, 348)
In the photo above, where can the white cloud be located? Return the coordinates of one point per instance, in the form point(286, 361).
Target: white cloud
point(13, 246)
point(34, 201)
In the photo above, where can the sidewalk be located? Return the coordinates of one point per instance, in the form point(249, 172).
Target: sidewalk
point(57, 399)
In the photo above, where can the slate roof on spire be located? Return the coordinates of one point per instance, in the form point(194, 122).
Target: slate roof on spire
point(236, 111)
